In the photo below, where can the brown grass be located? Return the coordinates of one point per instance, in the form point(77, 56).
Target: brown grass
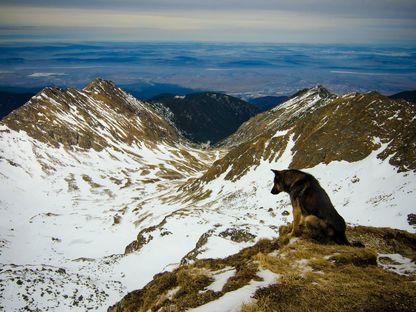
point(192, 280)
point(324, 278)
point(312, 277)
point(89, 180)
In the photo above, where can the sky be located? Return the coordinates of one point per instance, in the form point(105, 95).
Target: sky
point(284, 21)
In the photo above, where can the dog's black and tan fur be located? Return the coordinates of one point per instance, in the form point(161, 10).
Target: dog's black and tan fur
point(313, 211)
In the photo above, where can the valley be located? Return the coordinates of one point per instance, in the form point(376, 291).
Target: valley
point(101, 191)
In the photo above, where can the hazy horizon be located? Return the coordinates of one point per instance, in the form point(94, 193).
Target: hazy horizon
point(261, 21)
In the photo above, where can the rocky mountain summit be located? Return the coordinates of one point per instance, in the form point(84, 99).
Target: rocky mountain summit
point(106, 203)
point(92, 118)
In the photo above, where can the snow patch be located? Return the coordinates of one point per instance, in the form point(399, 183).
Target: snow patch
point(281, 133)
point(220, 278)
point(233, 300)
point(40, 74)
point(396, 263)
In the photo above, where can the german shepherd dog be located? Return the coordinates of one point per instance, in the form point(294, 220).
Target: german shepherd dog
point(313, 212)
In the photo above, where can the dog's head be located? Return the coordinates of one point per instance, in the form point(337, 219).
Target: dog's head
point(278, 185)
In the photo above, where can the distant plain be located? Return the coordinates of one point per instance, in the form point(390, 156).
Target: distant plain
point(245, 70)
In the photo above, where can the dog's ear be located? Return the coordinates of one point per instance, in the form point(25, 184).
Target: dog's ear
point(276, 172)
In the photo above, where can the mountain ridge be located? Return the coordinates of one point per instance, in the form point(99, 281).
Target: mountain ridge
point(130, 197)
point(262, 128)
point(409, 96)
point(90, 114)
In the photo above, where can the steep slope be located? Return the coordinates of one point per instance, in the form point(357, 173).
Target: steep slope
point(207, 116)
point(81, 173)
point(409, 96)
point(324, 128)
point(302, 103)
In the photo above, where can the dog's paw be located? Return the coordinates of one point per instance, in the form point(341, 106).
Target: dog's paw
point(284, 230)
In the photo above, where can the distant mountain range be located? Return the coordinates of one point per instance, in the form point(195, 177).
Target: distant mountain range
point(409, 96)
point(265, 103)
point(147, 90)
point(206, 116)
point(11, 100)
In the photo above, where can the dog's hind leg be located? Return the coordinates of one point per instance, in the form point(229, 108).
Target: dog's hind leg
point(316, 228)
point(297, 216)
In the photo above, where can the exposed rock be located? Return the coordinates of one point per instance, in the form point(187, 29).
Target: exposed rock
point(237, 235)
point(411, 218)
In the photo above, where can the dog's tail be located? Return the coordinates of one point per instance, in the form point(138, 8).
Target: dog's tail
point(343, 240)
point(357, 244)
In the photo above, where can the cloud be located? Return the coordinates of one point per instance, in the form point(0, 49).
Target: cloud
point(346, 72)
point(39, 75)
point(314, 21)
point(49, 17)
point(368, 8)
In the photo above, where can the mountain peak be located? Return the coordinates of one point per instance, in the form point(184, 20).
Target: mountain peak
point(320, 89)
point(95, 117)
point(100, 83)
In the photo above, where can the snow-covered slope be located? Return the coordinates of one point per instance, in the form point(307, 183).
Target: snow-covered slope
point(99, 192)
point(81, 173)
